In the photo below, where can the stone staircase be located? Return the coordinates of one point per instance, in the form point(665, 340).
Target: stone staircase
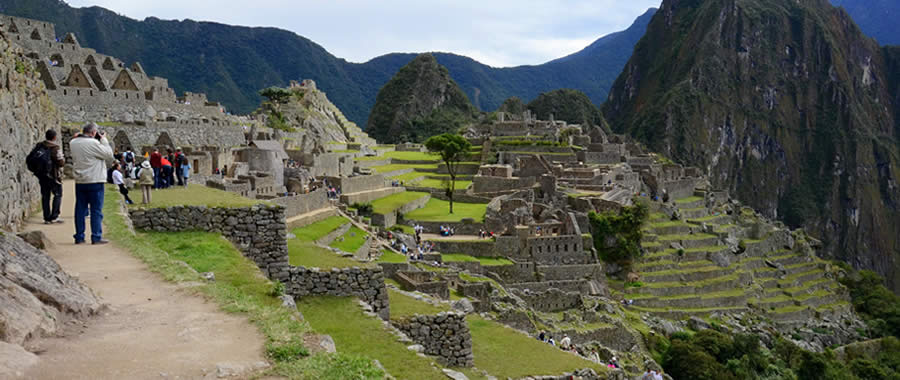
point(688, 270)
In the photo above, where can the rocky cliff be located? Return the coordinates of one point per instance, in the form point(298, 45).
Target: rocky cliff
point(26, 112)
point(786, 104)
point(420, 101)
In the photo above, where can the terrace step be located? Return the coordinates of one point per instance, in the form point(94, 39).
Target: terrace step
point(693, 213)
point(811, 286)
point(711, 219)
point(310, 217)
point(678, 314)
point(692, 202)
point(800, 278)
point(692, 301)
point(671, 228)
point(691, 240)
point(662, 289)
point(687, 275)
point(369, 196)
point(669, 263)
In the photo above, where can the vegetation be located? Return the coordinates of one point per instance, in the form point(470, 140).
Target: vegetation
point(350, 241)
point(874, 302)
point(196, 195)
point(617, 236)
point(485, 261)
point(363, 208)
point(513, 105)
point(403, 306)
point(393, 202)
point(452, 149)
point(572, 106)
point(437, 210)
point(238, 289)
point(309, 255)
point(318, 230)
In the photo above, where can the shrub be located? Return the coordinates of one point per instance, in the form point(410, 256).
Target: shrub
point(277, 289)
point(363, 208)
point(622, 229)
point(286, 352)
point(878, 306)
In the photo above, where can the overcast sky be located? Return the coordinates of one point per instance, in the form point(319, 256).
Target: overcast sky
point(495, 32)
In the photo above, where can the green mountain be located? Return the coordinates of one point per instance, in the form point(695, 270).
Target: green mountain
point(571, 106)
point(232, 63)
point(419, 102)
point(876, 18)
point(786, 104)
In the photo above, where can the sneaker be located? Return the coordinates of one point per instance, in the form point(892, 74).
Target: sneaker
point(79, 241)
point(56, 221)
point(101, 241)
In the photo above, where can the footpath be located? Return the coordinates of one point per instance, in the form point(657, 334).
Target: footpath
point(152, 329)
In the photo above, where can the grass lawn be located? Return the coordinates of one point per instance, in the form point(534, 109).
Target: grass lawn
point(356, 334)
point(506, 353)
point(437, 210)
point(409, 177)
point(193, 195)
point(404, 228)
point(394, 201)
point(351, 240)
point(442, 183)
point(317, 230)
point(403, 305)
point(393, 167)
point(239, 288)
point(486, 261)
point(688, 200)
point(390, 257)
point(307, 254)
point(413, 156)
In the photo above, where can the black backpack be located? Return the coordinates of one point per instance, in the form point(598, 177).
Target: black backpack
point(39, 161)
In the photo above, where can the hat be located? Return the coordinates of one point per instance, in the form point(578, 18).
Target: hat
point(145, 164)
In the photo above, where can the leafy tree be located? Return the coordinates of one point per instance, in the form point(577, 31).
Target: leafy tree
point(617, 236)
point(276, 95)
point(874, 302)
point(453, 149)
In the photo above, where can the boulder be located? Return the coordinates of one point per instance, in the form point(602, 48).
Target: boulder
point(14, 360)
point(463, 305)
point(697, 324)
point(454, 374)
point(37, 239)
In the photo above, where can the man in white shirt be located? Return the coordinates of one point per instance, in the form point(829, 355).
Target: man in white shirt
point(565, 342)
point(90, 153)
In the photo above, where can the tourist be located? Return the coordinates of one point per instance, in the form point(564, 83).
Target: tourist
point(658, 375)
point(156, 164)
point(649, 375)
point(566, 342)
point(541, 336)
point(46, 161)
point(170, 179)
point(179, 162)
point(551, 341)
point(165, 171)
point(90, 153)
point(186, 172)
point(120, 182)
point(594, 357)
point(129, 160)
point(145, 180)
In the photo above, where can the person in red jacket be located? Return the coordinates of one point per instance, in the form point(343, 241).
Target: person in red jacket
point(156, 163)
point(166, 173)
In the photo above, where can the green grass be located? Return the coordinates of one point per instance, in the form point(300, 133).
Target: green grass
point(394, 201)
point(318, 230)
point(506, 353)
point(239, 288)
point(404, 228)
point(698, 236)
point(688, 200)
point(352, 240)
point(371, 158)
point(394, 167)
point(437, 210)
point(413, 156)
point(486, 261)
point(408, 177)
point(470, 278)
point(390, 257)
point(195, 195)
point(355, 333)
point(403, 306)
point(307, 254)
point(346, 151)
point(670, 223)
point(441, 183)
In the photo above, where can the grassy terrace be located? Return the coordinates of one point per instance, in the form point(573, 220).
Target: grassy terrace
point(350, 241)
point(394, 201)
point(355, 333)
point(437, 210)
point(441, 183)
point(403, 306)
point(485, 261)
point(699, 236)
point(394, 167)
point(307, 254)
point(239, 288)
point(688, 200)
point(407, 177)
point(319, 229)
point(194, 195)
point(390, 257)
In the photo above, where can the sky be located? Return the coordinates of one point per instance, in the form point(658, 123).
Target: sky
point(499, 33)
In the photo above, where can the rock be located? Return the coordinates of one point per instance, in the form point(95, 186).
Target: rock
point(327, 344)
point(416, 348)
point(463, 305)
point(126, 118)
point(14, 360)
point(37, 239)
point(288, 301)
point(697, 324)
point(719, 258)
point(454, 374)
point(208, 276)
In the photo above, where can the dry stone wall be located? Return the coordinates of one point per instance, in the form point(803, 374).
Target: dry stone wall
point(26, 112)
point(303, 203)
point(258, 231)
point(365, 283)
point(445, 335)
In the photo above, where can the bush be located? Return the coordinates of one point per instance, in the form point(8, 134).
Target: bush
point(878, 306)
point(623, 229)
point(363, 208)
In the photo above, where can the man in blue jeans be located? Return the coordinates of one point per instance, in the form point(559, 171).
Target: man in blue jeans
point(90, 153)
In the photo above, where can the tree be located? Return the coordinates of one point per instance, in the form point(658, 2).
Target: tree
point(617, 235)
point(453, 149)
point(276, 95)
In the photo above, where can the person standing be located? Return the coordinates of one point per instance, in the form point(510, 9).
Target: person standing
point(179, 166)
point(156, 164)
point(119, 181)
point(129, 160)
point(46, 162)
point(90, 153)
point(145, 180)
point(166, 173)
point(170, 179)
point(185, 171)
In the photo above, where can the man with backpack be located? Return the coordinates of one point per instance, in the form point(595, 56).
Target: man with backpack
point(46, 162)
point(129, 160)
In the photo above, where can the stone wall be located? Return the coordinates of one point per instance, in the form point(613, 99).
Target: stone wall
point(26, 112)
point(188, 133)
point(570, 272)
point(423, 281)
point(303, 203)
point(477, 248)
point(460, 228)
point(365, 283)
point(551, 300)
point(482, 184)
point(445, 335)
point(369, 196)
point(258, 231)
point(559, 250)
point(358, 184)
point(390, 219)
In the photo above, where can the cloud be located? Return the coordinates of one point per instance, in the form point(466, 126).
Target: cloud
point(495, 32)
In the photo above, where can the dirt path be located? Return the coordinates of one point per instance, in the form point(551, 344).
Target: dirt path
point(152, 329)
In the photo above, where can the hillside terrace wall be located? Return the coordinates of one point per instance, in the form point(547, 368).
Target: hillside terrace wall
point(558, 250)
point(477, 248)
point(445, 335)
point(303, 203)
point(570, 272)
point(551, 300)
point(359, 183)
point(571, 286)
point(390, 219)
point(483, 184)
point(259, 232)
